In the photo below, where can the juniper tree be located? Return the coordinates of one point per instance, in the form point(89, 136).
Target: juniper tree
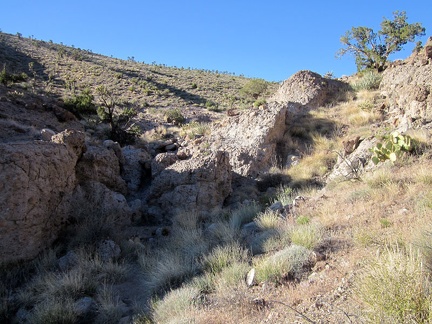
point(372, 49)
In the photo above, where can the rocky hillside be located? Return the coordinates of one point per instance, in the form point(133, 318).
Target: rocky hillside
point(226, 208)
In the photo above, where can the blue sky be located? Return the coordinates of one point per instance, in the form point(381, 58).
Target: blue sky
point(269, 39)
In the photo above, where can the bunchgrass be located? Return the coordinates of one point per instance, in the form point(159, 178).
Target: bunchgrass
point(284, 264)
point(243, 215)
point(268, 219)
point(53, 311)
point(176, 306)
point(308, 235)
point(223, 256)
point(396, 288)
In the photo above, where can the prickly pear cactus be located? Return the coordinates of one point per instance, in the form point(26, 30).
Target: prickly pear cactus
point(393, 147)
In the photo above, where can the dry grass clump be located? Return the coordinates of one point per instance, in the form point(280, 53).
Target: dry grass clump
point(243, 215)
point(308, 235)
point(223, 256)
point(177, 306)
point(283, 264)
point(54, 311)
point(268, 220)
point(396, 288)
point(165, 269)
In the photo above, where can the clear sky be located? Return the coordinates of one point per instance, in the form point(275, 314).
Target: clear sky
point(269, 39)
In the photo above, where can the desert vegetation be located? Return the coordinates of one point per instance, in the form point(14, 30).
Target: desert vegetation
point(312, 247)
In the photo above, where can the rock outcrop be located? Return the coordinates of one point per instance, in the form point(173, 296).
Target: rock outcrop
point(407, 88)
point(306, 90)
point(256, 139)
point(201, 183)
point(36, 179)
point(428, 48)
point(251, 138)
point(102, 165)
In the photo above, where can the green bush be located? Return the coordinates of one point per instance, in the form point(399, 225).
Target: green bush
point(6, 78)
point(81, 104)
point(174, 116)
point(254, 88)
point(369, 81)
point(259, 102)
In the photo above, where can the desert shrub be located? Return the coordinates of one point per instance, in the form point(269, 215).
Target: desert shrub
point(211, 105)
point(396, 288)
point(284, 195)
point(6, 78)
point(165, 269)
point(259, 102)
point(393, 147)
point(369, 81)
point(195, 129)
point(108, 306)
point(285, 264)
point(231, 276)
point(81, 103)
point(254, 88)
point(174, 116)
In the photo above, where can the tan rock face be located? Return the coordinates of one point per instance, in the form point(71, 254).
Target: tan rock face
point(428, 48)
point(36, 178)
point(102, 165)
point(255, 139)
point(251, 138)
point(408, 90)
point(200, 183)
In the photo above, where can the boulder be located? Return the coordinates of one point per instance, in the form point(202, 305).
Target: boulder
point(36, 180)
point(354, 164)
point(101, 165)
point(251, 139)
point(306, 90)
point(162, 161)
point(200, 183)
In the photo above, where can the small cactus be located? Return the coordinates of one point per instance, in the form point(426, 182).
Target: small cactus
point(394, 146)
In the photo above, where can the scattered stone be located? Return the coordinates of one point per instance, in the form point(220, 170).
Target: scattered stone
point(277, 207)
point(108, 250)
point(250, 278)
point(68, 261)
point(84, 305)
point(47, 134)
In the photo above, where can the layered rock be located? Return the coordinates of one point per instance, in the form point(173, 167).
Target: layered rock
point(36, 180)
point(200, 183)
